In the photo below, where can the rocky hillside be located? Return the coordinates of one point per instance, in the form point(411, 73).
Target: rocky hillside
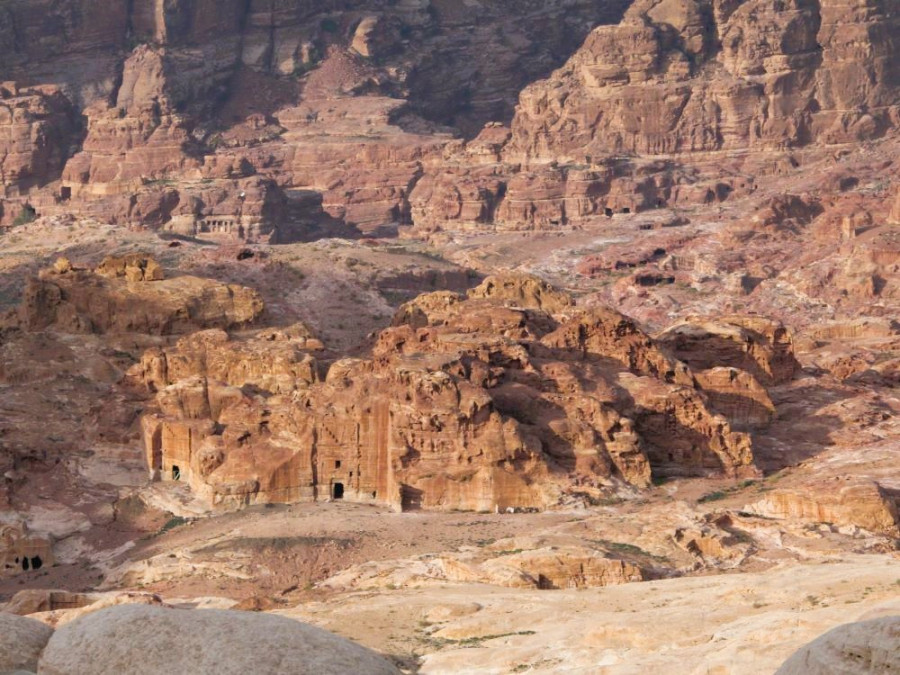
point(105, 105)
point(264, 120)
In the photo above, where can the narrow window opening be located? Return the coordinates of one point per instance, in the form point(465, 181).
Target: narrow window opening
point(25, 564)
point(176, 472)
point(337, 464)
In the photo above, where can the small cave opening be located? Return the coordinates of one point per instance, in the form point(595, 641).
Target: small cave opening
point(337, 464)
point(65, 193)
point(626, 210)
point(25, 564)
point(36, 562)
point(608, 211)
point(337, 491)
point(176, 472)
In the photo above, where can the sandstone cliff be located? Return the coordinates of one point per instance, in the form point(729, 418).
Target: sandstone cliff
point(508, 398)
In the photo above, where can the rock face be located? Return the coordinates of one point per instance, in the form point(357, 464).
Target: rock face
point(507, 398)
point(757, 345)
point(21, 550)
point(21, 642)
point(256, 113)
point(141, 639)
point(865, 647)
point(299, 84)
point(547, 567)
point(699, 76)
point(850, 503)
point(130, 295)
point(36, 127)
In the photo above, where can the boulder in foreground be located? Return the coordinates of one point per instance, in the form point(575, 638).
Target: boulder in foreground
point(156, 641)
point(863, 648)
point(21, 642)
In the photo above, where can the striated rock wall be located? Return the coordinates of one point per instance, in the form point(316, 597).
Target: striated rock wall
point(340, 99)
point(678, 77)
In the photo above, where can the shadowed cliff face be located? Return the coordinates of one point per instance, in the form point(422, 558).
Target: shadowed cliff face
point(157, 113)
point(115, 97)
point(464, 65)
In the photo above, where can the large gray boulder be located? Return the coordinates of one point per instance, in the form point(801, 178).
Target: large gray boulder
point(864, 648)
point(21, 642)
point(146, 640)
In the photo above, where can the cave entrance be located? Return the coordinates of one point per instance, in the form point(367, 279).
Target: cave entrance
point(36, 562)
point(337, 491)
point(176, 472)
point(65, 194)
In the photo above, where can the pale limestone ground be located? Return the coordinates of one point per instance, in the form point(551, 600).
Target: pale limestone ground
point(732, 624)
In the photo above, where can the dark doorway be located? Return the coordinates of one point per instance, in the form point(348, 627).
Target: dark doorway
point(65, 193)
point(36, 562)
point(337, 491)
point(176, 473)
point(410, 498)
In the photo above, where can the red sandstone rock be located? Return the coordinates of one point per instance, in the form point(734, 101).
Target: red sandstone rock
point(127, 296)
point(496, 401)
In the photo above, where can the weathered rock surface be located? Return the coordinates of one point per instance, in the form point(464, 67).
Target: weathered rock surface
point(36, 127)
point(341, 102)
point(506, 564)
point(21, 642)
point(140, 639)
point(866, 647)
point(20, 549)
point(760, 346)
point(130, 296)
point(500, 400)
point(675, 77)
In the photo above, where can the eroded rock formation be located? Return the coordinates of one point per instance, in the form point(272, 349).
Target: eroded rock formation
point(130, 295)
point(506, 398)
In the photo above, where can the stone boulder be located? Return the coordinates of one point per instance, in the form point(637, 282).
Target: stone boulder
point(153, 640)
point(21, 642)
point(867, 647)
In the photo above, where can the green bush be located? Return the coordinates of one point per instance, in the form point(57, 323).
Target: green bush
point(27, 215)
